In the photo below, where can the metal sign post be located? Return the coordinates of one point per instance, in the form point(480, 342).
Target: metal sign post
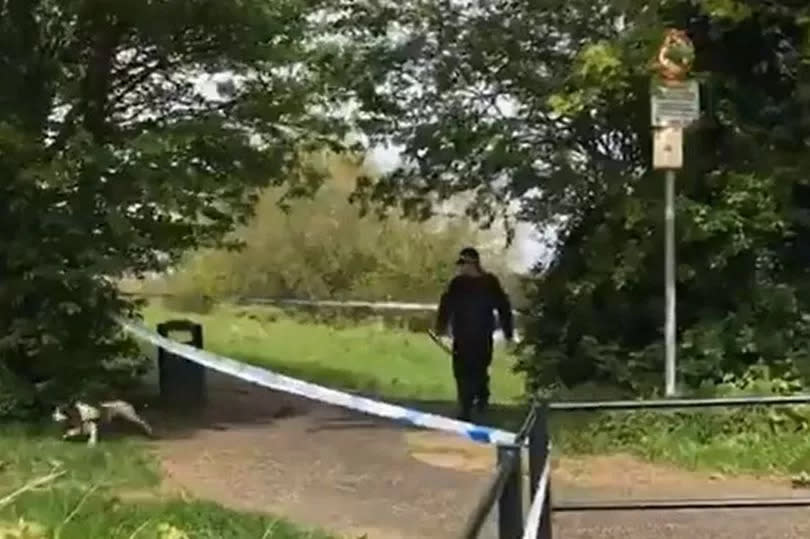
point(675, 103)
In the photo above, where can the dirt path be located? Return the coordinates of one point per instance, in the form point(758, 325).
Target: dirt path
point(626, 478)
point(263, 451)
point(258, 450)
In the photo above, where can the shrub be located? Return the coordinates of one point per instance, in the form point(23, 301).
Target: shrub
point(322, 247)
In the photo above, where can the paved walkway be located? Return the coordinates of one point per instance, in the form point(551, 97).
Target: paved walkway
point(259, 450)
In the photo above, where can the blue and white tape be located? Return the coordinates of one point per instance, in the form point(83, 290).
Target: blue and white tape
point(280, 382)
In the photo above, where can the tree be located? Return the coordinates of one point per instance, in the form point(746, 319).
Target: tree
point(548, 103)
point(115, 160)
point(323, 248)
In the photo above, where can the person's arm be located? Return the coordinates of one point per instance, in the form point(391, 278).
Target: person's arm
point(445, 309)
point(504, 308)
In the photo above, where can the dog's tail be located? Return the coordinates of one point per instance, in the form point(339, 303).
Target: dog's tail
point(126, 411)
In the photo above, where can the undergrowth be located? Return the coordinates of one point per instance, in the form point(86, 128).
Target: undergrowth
point(756, 440)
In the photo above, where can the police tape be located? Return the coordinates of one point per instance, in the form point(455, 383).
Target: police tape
point(348, 303)
point(536, 515)
point(377, 305)
point(287, 384)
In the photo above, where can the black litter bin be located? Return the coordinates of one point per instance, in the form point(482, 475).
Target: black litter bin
point(182, 381)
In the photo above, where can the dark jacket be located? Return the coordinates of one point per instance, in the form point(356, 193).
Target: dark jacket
point(468, 305)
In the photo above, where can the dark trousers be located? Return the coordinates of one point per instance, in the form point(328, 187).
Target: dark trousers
point(472, 357)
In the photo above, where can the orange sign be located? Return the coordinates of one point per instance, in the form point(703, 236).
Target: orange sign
point(675, 57)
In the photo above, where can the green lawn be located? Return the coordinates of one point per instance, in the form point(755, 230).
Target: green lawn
point(390, 363)
point(110, 491)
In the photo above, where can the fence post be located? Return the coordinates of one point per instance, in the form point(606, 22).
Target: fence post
point(510, 504)
point(538, 455)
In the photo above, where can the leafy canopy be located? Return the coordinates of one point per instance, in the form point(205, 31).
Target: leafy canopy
point(114, 159)
point(548, 103)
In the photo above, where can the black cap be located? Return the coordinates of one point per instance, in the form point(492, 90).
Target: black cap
point(468, 254)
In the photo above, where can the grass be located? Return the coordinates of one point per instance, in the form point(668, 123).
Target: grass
point(390, 363)
point(731, 442)
point(111, 491)
point(401, 366)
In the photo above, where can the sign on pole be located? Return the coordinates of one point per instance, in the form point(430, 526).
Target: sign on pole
point(675, 103)
point(674, 100)
point(668, 148)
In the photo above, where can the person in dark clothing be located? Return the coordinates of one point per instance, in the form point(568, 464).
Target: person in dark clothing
point(467, 309)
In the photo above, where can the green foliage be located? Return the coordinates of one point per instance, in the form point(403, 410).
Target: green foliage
point(16, 396)
point(323, 247)
point(112, 490)
point(553, 102)
point(114, 160)
point(741, 297)
point(734, 10)
point(759, 440)
point(105, 516)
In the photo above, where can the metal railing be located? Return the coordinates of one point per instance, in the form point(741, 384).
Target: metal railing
point(672, 404)
point(505, 485)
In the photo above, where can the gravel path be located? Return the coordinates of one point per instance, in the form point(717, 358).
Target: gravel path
point(258, 450)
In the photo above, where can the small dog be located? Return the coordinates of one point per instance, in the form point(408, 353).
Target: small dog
point(82, 418)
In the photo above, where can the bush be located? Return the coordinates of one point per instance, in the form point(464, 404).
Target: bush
point(66, 347)
point(754, 439)
point(17, 397)
point(322, 247)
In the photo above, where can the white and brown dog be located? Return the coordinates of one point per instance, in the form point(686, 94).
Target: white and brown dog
point(82, 418)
